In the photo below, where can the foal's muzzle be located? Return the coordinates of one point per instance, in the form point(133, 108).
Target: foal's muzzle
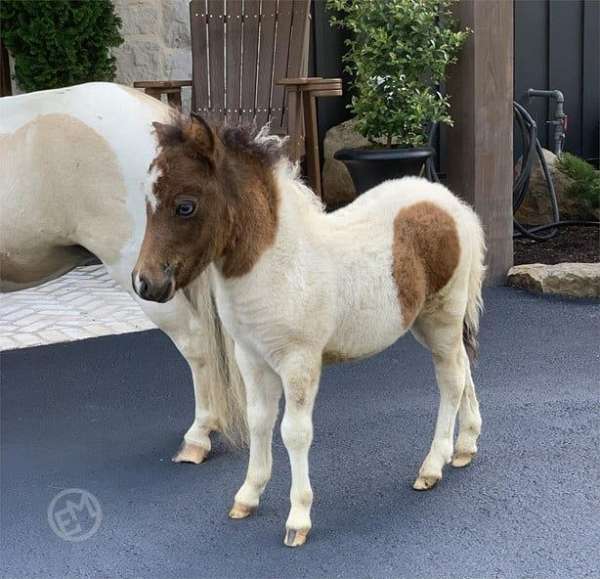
point(153, 289)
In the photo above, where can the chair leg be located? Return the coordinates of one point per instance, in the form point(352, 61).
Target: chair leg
point(154, 92)
point(313, 162)
point(294, 119)
point(174, 99)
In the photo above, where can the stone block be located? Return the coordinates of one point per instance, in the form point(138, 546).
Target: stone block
point(140, 60)
point(140, 17)
point(577, 280)
point(176, 24)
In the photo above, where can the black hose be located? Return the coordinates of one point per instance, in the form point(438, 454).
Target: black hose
point(531, 148)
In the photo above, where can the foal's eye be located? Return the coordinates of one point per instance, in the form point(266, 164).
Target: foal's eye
point(185, 209)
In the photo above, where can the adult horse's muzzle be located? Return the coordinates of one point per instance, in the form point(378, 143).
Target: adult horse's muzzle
point(158, 287)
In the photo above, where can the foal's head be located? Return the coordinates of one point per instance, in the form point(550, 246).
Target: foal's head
point(206, 193)
point(188, 214)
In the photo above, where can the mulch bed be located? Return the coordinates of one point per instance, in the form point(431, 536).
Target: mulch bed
point(573, 244)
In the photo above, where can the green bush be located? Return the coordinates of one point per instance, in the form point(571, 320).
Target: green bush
point(398, 53)
point(586, 179)
point(59, 43)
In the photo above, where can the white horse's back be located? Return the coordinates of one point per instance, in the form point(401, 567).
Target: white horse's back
point(91, 102)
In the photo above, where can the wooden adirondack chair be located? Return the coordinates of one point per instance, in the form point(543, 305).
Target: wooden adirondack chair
point(249, 64)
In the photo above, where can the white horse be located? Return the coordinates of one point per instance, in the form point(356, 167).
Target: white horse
point(73, 180)
point(295, 287)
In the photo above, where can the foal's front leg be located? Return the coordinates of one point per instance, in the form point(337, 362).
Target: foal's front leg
point(263, 390)
point(300, 377)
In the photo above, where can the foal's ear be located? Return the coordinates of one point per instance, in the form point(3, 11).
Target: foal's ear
point(202, 132)
point(168, 135)
point(203, 140)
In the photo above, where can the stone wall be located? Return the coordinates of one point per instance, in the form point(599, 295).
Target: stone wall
point(157, 41)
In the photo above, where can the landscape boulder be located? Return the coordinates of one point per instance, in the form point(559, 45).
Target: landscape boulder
point(338, 187)
point(536, 208)
point(577, 280)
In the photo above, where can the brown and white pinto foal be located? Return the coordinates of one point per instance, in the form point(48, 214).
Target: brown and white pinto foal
point(295, 287)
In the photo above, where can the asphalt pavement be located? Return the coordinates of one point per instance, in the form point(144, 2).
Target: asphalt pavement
point(105, 415)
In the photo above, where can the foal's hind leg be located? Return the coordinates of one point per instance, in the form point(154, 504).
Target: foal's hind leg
point(443, 335)
point(469, 422)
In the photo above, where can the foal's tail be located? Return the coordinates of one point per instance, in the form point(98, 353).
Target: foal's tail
point(474, 299)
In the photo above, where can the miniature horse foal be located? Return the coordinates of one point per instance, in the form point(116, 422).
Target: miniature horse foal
point(295, 287)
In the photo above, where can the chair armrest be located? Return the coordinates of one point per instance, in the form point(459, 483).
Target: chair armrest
point(164, 84)
point(300, 81)
point(157, 88)
point(326, 86)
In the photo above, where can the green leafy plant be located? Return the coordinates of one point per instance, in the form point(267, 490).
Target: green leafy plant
point(59, 43)
point(398, 53)
point(586, 179)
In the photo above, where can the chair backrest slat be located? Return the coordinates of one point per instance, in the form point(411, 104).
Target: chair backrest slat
point(264, 83)
point(233, 49)
point(282, 42)
point(198, 15)
point(216, 56)
point(250, 58)
point(298, 60)
point(239, 50)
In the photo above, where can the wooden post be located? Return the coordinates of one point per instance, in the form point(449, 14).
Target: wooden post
point(480, 145)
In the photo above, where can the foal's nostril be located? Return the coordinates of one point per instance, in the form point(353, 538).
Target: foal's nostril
point(153, 290)
point(142, 286)
point(139, 283)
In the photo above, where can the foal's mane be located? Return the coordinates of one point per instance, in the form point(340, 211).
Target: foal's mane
point(259, 143)
point(270, 149)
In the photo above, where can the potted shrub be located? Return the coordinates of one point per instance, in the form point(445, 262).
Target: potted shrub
point(398, 52)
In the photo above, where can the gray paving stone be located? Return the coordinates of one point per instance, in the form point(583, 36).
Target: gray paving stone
point(84, 303)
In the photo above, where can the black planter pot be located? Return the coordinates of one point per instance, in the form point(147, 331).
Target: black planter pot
point(369, 167)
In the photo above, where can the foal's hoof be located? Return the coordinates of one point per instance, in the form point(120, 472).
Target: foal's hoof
point(240, 511)
point(190, 452)
point(295, 538)
point(462, 459)
point(424, 483)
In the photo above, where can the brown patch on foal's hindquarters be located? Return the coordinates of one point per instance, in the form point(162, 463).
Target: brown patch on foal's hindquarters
point(426, 251)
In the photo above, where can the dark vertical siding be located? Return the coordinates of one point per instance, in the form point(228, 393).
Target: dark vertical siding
point(564, 62)
point(531, 55)
point(557, 47)
point(328, 49)
point(590, 108)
